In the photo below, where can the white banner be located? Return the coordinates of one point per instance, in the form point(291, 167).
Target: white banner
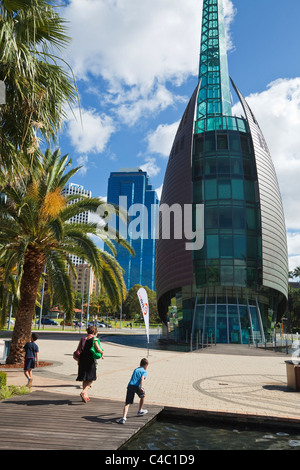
point(143, 298)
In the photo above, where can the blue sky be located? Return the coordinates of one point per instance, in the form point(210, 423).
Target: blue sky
point(136, 64)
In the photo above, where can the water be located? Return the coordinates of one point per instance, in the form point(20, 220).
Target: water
point(180, 435)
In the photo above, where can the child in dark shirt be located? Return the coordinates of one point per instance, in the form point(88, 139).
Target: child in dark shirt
point(31, 358)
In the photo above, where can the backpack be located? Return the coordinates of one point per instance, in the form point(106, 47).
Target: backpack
point(96, 354)
point(77, 353)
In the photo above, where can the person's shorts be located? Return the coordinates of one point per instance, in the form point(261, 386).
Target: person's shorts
point(131, 391)
point(29, 363)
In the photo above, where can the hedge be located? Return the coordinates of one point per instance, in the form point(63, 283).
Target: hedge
point(3, 376)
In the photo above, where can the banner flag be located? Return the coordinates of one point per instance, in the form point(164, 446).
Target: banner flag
point(143, 298)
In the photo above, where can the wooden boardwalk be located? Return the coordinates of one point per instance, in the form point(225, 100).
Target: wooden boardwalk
point(53, 421)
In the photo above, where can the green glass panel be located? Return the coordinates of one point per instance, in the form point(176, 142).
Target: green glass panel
point(227, 278)
point(212, 217)
point(252, 247)
point(241, 125)
point(248, 167)
point(240, 246)
point(225, 217)
point(236, 166)
point(226, 246)
point(249, 190)
point(224, 189)
point(239, 218)
point(210, 124)
point(245, 144)
point(251, 219)
point(212, 246)
point(240, 276)
point(223, 166)
point(210, 166)
point(237, 189)
point(210, 143)
point(222, 142)
point(198, 168)
point(233, 324)
point(251, 276)
point(221, 332)
point(210, 189)
point(213, 275)
point(234, 142)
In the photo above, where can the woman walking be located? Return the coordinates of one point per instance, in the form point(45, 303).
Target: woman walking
point(87, 371)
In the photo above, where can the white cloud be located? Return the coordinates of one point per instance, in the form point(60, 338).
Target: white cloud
point(150, 167)
point(277, 110)
point(293, 240)
point(229, 13)
point(137, 47)
point(130, 109)
point(160, 141)
point(82, 161)
point(136, 42)
point(91, 133)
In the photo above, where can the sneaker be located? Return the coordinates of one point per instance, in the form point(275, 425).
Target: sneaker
point(142, 412)
point(29, 383)
point(122, 421)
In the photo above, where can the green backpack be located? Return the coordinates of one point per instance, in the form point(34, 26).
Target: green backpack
point(96, 354)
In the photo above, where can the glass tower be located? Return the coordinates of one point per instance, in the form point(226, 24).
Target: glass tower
point(130, 189)
point(235, 287)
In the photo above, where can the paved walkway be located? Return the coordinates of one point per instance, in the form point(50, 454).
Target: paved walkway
point(222, 378)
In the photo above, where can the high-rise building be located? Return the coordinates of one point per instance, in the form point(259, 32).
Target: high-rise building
point(85, 282)
point(236, 286)
point(83, 217)
point(130, 189)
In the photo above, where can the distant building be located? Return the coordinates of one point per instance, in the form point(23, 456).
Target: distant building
point(83, 217)
point(133, 186)
point(85, 277)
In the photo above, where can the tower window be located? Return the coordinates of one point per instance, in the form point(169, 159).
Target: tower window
point(222, 142)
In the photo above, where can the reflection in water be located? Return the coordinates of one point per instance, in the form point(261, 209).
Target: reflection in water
point(180, 435)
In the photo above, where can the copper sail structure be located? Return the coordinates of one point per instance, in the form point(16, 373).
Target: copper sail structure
point(234, 288)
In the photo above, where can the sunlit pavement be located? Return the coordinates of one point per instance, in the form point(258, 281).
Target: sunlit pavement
point(222, 378)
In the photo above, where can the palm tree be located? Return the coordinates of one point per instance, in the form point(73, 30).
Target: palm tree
point(39, 84)
point(35, 232)
point(296, 272)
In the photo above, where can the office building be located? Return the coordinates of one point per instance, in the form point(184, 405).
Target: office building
point(126, 188)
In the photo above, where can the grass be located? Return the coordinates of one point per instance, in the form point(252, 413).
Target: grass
point(12, 390)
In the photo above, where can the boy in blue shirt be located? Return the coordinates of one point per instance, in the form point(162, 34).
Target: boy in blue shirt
point(31, 358)
point(135, 386)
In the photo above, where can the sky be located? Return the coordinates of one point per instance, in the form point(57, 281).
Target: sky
point(136, 67)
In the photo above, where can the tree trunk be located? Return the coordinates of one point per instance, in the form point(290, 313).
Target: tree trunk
point(32, 271)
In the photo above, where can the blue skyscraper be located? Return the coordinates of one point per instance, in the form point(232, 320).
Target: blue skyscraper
point(130, 188)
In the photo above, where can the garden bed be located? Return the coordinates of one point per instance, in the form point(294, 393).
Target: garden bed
point(21, 365)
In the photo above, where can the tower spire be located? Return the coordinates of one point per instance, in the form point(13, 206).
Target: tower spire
point(214, 93)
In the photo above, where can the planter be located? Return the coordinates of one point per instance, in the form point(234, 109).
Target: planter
point(293, 375)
